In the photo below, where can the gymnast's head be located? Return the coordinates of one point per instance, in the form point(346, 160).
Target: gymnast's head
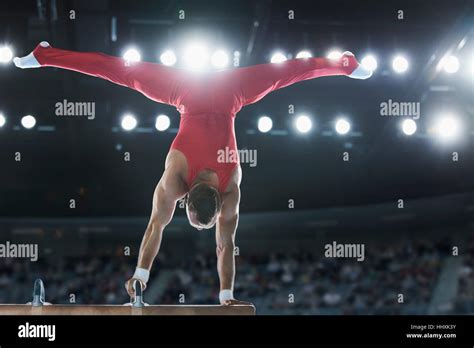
point(203, 204)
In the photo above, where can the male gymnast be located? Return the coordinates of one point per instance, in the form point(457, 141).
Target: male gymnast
point(208, 104)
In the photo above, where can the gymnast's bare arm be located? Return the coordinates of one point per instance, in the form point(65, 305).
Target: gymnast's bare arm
point(226, 228)
point(169, 190)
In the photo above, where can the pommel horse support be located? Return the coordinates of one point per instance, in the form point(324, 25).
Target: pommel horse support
point(38, 306)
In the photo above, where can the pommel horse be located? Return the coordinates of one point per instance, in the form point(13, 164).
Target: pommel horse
point(137, 306)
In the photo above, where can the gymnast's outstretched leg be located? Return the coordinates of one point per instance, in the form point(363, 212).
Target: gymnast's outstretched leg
point(157, 82)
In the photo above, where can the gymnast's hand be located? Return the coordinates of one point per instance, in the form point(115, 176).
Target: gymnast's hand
point(129, 286)
point(236, 302)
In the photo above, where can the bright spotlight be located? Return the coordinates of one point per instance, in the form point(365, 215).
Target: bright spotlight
point(168, 58)
point(265, 124)
point(6, 54)
point(369, 62)
point(129, 122)
point(220, 59)
point(400, 64)
point(343, 126)
point(196, 56)
point(28, 121)
point(304, 54)
point(447, 127)
point(162, 123)
point(334, 54)
point(132, 55)
point(450, 64)
point(303, 124)
point(278, 57)
point(3, 120)
point(409, 126)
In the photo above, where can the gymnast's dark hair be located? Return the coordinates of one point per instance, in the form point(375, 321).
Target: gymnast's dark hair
point(204, 200)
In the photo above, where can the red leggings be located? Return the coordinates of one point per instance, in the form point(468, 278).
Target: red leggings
point(153, 80)
point(167, 85)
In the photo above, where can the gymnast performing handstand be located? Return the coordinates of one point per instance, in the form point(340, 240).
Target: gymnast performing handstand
point(208, 104)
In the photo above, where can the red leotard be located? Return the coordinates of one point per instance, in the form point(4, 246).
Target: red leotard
point(207, 102)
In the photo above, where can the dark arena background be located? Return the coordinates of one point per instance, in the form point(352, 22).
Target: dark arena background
point(380, 170)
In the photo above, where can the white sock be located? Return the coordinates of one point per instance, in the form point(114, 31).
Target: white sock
point(360, 72)
point(29, 61)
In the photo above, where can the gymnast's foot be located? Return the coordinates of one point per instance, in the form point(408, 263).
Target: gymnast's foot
point(358, 70)
point(30, 60)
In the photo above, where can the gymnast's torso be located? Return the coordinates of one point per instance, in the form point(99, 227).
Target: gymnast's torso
point(206, 129)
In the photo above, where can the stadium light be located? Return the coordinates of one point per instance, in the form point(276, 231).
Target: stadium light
point(369, 62)
point(303, 124)
point(450, 64)
point(342, 126)
point(304, 54)
point(447, 127)
point(409, 126)
point(3, 120)
point(265, 124)
point(28, 121)
point(334, 54)
point(220, 59)
point(162, 123)
point(196, 56)
point(168, 58)
point(129, 122)
point(132, 55)
point(6, 54)
point(400, 64)
point(278, 57)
